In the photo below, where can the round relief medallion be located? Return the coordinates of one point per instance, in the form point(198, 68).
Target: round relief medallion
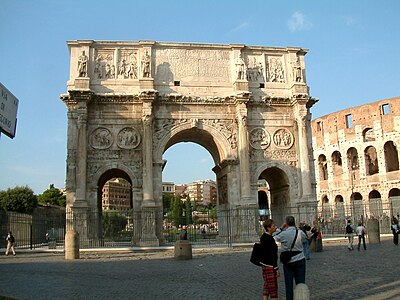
point(283, 138)
point(259, 138)
point(128, 138)
point(101, 138)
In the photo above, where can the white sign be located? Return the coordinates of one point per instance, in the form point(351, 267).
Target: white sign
point(8, 112)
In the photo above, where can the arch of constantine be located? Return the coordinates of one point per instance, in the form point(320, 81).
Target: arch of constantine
point(249, 106)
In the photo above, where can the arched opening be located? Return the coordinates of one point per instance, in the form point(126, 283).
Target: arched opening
point(368, 135)
point(391, 157)
point(278, 184)
point(191, 199)
point(326, 209)
point(337, 163)
point(114, 203)
point(263, 205)
point(375, 204)
point(394, 200)
point(357, 207)
point(371, 160)
point(339, 207)
point(322, 167)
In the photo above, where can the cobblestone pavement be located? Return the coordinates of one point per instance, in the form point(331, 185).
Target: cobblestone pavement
point(335, 273)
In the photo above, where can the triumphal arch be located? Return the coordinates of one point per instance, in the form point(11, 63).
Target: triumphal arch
point(128, 102)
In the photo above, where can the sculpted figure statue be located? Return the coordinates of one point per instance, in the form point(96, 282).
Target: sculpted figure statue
point(82, 65)
point(146, 64)
point(240, 68)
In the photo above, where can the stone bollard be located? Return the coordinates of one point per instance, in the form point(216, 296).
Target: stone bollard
point(72, 245)
point(301, 292)
point(373, 231)
point(183, 250)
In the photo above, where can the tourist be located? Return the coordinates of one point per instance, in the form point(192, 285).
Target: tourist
point(350, 234)
point(303, 226)
point(316, 238)
point(360, 230)
point(10, 243)
point(292, 240)
point(184, 233)
point(270, 269)
point(395, 230)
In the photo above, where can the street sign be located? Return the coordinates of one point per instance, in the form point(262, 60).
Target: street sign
point(8, 112)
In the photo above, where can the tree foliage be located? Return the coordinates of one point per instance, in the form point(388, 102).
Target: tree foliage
point(52, 196)
point(19, 199)
point(113, 224)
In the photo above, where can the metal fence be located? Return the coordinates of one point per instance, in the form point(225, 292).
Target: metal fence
point(47, 227)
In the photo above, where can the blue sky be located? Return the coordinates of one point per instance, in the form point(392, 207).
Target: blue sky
point(353, 59)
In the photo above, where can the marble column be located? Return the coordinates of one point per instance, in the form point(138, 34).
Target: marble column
point(243, 149)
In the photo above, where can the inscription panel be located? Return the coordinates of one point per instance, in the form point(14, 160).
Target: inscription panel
point(192, 63)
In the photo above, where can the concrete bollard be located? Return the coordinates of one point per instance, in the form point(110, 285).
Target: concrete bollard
point(373, 231)
point(72, 245)
point(183, 250)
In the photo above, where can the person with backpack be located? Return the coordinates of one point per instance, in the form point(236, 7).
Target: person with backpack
point(10, 243)
point(350, 228)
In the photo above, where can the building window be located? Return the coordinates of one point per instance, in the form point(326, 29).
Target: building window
point(349, 121)
point(386, 109)
point(319, 126)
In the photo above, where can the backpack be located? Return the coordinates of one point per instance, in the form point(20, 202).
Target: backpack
point(349, 229)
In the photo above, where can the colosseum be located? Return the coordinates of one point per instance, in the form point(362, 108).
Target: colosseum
point(357, 164)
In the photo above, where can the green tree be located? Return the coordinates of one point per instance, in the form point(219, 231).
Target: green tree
point(113, 223)
point(167, 202)
point(188, 211)
point(19, 199)
point(52, 196)
point(176, 211)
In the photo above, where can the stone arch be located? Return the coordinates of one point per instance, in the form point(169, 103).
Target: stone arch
point(263, 204)
point(339, 207)
point(326, 209)
point(336, 158)
point(375, 204)
point(322, 167)
point(394, 200)
point(352, 159)
point(207, 136)
point(357, 206)
point(280, 180)
point(371, 160)
point(391, 156)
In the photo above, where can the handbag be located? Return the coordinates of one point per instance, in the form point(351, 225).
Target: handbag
point(256, 254)
point(287, 255)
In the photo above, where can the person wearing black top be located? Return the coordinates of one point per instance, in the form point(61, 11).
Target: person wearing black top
point(270, 270)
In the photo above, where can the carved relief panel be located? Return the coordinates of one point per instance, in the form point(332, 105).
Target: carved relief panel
point(276, 69)
point(104, 67)
point(128, 64)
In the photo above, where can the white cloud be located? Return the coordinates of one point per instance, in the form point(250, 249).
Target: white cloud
point(239, 27)
point(299, 22)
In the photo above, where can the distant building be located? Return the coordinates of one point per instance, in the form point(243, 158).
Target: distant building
point(168, 188)
point(357, 161)
point(201, 191)
point(116, 195)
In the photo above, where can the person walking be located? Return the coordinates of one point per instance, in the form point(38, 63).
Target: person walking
point(10, 243)
point(395, 230)
point(292, 240)
point(360, 230)
point(269, 266)
point(350, 228)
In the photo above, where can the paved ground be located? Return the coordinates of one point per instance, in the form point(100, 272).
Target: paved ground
point(219, 274)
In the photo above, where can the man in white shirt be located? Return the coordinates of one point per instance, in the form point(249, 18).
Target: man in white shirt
point(296, 267)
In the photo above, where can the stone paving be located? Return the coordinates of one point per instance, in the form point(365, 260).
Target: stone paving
point(335, 273)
